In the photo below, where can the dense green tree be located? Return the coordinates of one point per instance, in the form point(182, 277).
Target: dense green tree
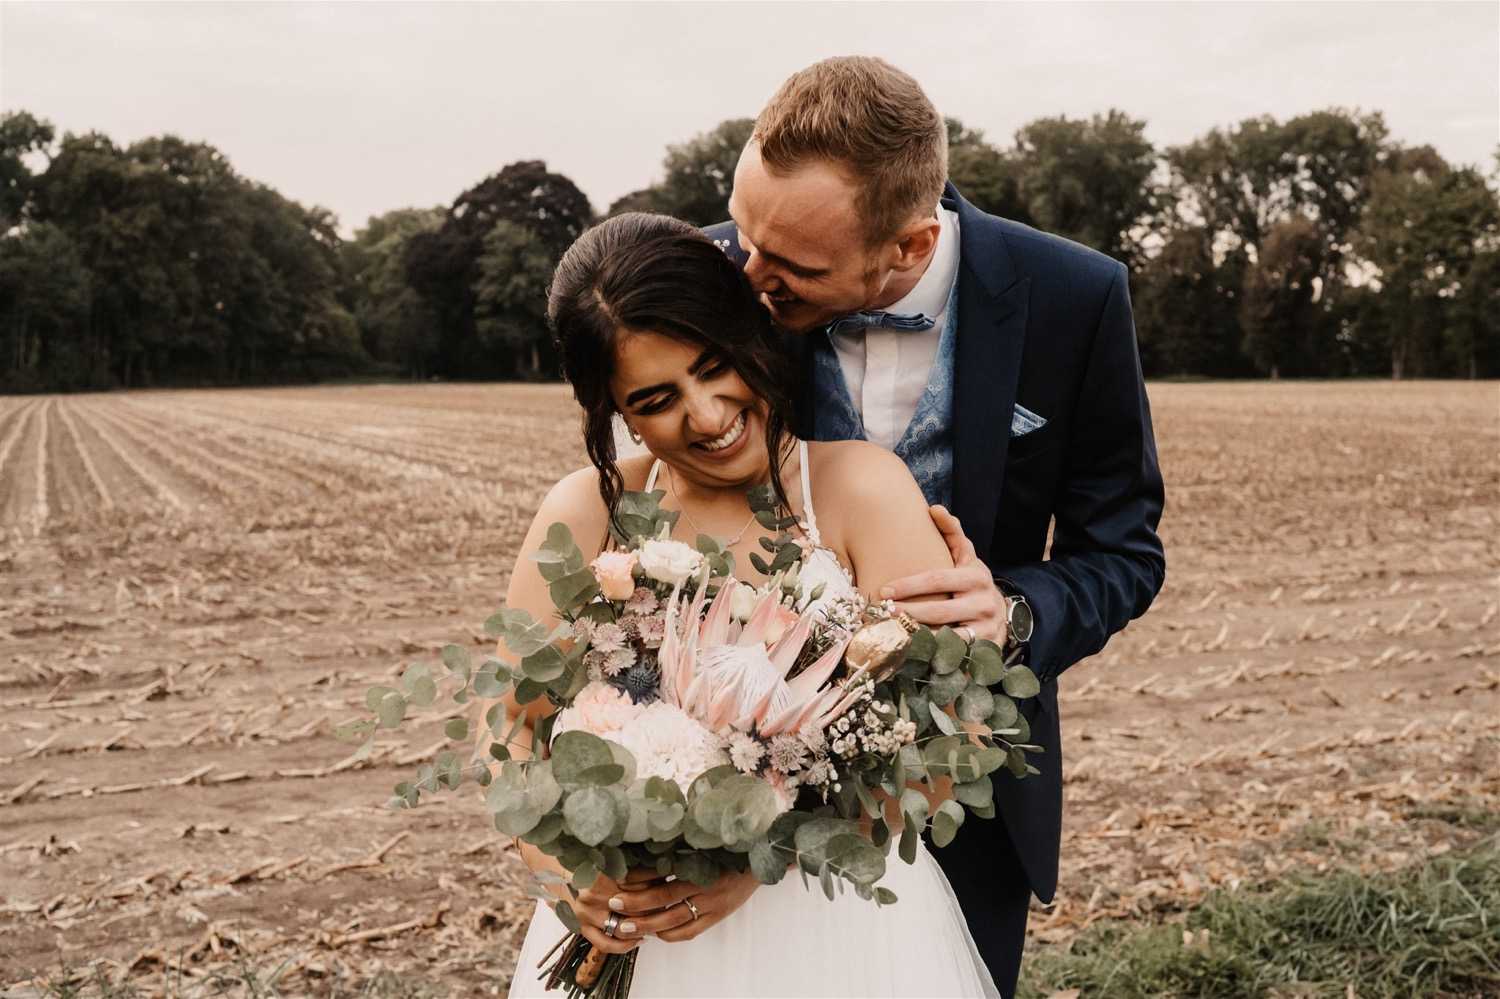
point(396, 325)
point(44, 304)
point(1427, 231)
point(698, 175)
point(644, 200)
point(510, 298)
point(1277, 307)
point(21, 135)
point(1186, 309)
point(443, 265)
point(988, 178)
point(1087, 179)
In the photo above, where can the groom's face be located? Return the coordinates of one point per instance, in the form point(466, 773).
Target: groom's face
point(808, 257)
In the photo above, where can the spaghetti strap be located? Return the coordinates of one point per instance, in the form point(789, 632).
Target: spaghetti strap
point(807, 497)
point(651, 476)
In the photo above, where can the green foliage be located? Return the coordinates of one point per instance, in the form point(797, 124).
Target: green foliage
point(698, 176)
point(1428, 930)
point(165, 267)
point(481, 285)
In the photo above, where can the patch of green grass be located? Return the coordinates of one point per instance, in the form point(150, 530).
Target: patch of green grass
point(1432, 929)
point(1481, 820)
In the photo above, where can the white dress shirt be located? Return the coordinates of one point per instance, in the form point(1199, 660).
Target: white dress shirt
point(887, 370)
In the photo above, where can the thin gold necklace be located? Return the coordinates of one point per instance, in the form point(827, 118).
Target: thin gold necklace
point(672, 486)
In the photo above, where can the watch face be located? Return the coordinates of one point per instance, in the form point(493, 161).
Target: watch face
point(1020, 620)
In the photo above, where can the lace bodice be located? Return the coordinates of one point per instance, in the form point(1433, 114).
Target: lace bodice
point(821, 565)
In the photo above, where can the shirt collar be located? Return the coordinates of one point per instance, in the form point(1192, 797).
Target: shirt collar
point(930, 295)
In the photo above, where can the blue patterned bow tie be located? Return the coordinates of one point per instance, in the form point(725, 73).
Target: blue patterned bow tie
point(858, 322)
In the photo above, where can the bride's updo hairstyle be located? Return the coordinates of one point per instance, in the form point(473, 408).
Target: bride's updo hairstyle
point(640, 272)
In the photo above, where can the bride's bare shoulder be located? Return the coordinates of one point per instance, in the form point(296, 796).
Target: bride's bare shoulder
point(853, 469)
point(575, 499)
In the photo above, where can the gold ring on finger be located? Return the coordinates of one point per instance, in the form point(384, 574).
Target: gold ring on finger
point(691, 907)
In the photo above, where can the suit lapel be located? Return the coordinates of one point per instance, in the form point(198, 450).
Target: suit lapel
point(992, 308)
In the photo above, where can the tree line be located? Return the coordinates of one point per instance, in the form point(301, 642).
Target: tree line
point(1316, 246)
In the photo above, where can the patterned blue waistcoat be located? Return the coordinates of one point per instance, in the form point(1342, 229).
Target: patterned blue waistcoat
point(927, 444)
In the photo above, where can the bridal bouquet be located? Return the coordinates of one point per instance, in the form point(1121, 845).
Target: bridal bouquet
point(701, 725)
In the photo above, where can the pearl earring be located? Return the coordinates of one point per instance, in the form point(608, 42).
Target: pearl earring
point(633, 435)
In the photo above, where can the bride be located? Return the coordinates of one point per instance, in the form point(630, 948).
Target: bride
point(657, 326)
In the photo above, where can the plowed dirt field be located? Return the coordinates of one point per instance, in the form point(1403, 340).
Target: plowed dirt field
point(195, 586)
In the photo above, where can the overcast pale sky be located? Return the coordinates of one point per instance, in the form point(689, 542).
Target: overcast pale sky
point(364, 107)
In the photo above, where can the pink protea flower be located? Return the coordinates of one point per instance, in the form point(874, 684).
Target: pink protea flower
point(728, 674)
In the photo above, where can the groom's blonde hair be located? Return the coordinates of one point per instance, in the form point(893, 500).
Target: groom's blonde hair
point(871, 119)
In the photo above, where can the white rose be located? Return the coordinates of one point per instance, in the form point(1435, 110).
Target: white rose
point(743, 600)
point(670, 562)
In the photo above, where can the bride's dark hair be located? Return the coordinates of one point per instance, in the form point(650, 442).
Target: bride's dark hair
point(642, 272)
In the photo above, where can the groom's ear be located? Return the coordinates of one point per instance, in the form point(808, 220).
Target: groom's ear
point(915, 243)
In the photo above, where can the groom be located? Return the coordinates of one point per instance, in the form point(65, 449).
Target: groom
point(1001, 364)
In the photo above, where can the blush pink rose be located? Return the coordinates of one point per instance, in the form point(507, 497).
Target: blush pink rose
point(615, 573)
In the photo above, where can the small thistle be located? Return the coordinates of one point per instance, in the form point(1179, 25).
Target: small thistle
point(641, 681)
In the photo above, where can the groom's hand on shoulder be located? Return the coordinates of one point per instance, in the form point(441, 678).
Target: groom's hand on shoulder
point(968, 596)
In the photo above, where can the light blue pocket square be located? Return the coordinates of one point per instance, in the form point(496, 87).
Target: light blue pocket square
point(1023, 421)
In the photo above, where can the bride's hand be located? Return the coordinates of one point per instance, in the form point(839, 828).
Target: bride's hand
point(679, 910)
point(592, 905)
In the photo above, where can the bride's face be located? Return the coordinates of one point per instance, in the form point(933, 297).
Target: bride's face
point(690, 408)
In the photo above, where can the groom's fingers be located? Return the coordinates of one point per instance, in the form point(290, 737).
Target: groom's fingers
point(959, 545)
point(934, 613)
point(935, 582)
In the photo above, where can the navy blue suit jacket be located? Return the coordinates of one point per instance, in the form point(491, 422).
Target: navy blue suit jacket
point(1046, 323)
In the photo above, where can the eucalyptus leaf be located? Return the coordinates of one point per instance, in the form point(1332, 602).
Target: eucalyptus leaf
point(544, 665)
point(583, 879)
point(976, 793)
point(456, 729)
point(418, 684)
point(1004, 714)
point(456, 658)
point(923, 646)
point(1019, 681)
point(914, 805)
point(529, 690)
point(589, 814)
point(696, 868)
point(492, 679)
point(767, 863)
point(945, 822)
point(573, 590)
point(567, 917)
point(576, 752)
point(950, 652)
point(391, 710)
point(976, 703)
point(907, 849)
point(986, 662)
point(946, 687)
point(1016, 761)
point(615, 864)
point(375, 695)
point(944, 723)
point(857, 859)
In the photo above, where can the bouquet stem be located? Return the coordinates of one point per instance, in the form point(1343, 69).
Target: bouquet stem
point(581, 970)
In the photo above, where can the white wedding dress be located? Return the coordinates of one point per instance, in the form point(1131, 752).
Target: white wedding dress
point(791, 941)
